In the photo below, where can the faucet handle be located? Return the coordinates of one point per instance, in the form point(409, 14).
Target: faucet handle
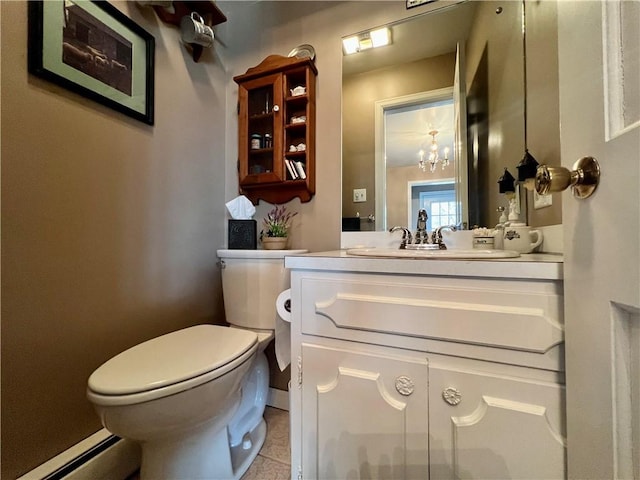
point(406, 235)
point(436, 235)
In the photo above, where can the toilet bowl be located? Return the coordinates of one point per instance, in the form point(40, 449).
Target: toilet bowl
point(194, 399)
point(175, 394)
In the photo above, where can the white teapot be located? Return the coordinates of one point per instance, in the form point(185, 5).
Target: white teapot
point(520, 238)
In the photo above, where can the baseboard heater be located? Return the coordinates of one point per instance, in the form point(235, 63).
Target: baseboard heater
point(102, 456)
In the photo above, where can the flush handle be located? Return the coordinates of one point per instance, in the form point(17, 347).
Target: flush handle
point(583, 179)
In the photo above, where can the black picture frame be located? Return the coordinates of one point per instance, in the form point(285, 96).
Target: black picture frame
point(95, 50)
point(417, 3)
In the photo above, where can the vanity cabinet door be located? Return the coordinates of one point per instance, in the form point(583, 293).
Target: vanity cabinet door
point(363, 415)
point(487, 426)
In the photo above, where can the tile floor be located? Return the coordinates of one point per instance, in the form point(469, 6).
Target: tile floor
point(274, 460)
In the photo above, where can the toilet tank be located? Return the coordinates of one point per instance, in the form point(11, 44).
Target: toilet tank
point(251, 282)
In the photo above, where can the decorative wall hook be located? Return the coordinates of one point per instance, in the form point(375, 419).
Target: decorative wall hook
point(173, 12)
point(583, 179)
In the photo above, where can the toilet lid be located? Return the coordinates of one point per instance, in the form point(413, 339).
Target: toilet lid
point(170, 359)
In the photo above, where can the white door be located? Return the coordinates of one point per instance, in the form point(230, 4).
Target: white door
point(599, 103)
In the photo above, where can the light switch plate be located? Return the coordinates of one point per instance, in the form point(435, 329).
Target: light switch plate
point(359, 195)
point(541, 201)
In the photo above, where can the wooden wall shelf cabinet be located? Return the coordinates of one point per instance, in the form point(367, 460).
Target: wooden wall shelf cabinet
point(276, 130)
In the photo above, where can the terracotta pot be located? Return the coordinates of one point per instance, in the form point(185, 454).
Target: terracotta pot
point(274, 243)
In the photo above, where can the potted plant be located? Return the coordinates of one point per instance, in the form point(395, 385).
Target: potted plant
point(274, 235)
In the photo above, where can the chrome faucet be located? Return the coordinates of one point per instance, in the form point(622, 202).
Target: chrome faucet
point(421, 228)
point(406, 236)
point(422, 239)
point(436, 236)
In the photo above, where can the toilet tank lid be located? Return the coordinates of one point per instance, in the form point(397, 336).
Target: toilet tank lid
point(170, 359)
point(227, 253)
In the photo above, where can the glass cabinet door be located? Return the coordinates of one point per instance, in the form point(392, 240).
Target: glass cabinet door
point(260, 130)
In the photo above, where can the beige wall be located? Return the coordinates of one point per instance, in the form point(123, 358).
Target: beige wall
point(109, 231)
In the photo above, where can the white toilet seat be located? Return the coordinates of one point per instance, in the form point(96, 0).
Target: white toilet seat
point(191, 357)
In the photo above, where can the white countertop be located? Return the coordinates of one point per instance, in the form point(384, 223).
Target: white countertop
point(544, 266)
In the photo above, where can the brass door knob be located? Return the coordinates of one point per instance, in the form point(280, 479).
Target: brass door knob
point(583, 179)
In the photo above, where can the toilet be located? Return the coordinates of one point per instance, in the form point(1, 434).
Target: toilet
point(194, 399)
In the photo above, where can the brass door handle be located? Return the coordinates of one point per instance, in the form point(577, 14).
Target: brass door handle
point(583, 179)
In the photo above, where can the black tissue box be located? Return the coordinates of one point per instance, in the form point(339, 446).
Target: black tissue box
point(243, 235)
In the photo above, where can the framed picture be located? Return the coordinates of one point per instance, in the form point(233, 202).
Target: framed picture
point(93, 49)
point(415, 3)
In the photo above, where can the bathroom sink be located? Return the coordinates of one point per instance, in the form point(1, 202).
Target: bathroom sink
point(432, 254)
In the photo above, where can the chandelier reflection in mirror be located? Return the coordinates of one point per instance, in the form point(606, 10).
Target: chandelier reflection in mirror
point(434, 155)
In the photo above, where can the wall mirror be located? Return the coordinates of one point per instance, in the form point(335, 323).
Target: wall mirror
point(451, 83)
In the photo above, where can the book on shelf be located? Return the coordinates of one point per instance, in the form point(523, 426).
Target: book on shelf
point(293, 173)
point(300, 169)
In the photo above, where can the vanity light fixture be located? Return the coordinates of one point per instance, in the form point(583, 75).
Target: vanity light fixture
point(434, 155)
point(367, 40)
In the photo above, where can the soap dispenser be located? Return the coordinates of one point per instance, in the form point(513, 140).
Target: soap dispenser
point(499, 230)
point(503, 216)
point(513, 213)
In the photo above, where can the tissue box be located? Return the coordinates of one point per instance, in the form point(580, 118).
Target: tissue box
point(243, 235)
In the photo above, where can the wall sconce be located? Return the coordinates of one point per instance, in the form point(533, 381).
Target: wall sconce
point(527, 169)
point(583, 179)
point(364, 41)
point(507, 183)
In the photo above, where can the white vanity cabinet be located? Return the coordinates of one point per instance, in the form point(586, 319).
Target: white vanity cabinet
point(426, 369)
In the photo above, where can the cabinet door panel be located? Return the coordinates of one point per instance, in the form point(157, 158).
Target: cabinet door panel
point(257, 116)
point(355, 421)
point(501, 428)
